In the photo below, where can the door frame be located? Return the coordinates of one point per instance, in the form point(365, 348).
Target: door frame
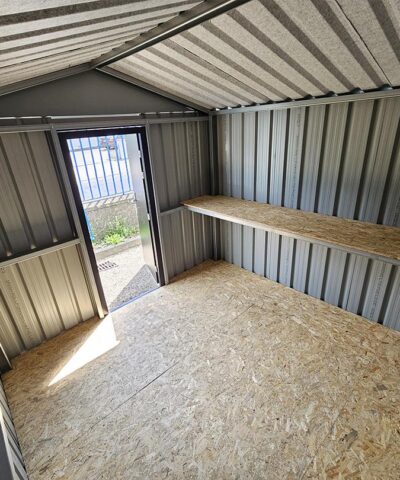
point(148, 187)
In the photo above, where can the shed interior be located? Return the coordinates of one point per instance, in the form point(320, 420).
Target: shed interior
point(271, 167)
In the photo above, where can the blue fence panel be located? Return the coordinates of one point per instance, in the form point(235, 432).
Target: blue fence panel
point(101, 166)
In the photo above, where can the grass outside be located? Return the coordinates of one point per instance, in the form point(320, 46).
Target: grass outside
point(116, 233)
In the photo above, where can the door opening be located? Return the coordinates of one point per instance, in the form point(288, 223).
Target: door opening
point(111, 178)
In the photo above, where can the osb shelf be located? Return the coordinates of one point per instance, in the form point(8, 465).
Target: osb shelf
point(376, 241)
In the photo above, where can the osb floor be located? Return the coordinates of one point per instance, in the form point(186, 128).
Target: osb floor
point(220, 375)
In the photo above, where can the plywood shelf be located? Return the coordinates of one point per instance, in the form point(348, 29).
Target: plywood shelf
point(375, 241)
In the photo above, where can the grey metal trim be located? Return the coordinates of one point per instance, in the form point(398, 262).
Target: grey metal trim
point(118, 122)
point(216, 234)
point(214, 182)
point(277, 231)
point(188, 19)
point(121, 116)
point(46, 78)
point(124, 123)
point(157, 204)
point(74, 212)
point(24, 128)
point(354, 97)
point(212, 136)
point(171, 212)
point(38, 253)
point(139, 83)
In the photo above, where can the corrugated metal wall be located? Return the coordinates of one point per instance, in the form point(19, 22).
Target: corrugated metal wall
point(181, 167)
point(15, 464)
point(32, 211)
point(338, 159)
point(43, 295)
point(187, 240)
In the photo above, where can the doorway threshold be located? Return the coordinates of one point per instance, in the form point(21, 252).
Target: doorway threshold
point(134, 299)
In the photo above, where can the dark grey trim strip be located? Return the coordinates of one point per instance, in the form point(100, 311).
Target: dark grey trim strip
point(172, 211)
point(38, 252)
point(188, 19)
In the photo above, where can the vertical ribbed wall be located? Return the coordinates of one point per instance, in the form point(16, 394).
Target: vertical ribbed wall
point(181, 167)
point(13, 463)
point(340, 159)
point(187, 240)
point(32, 210)
point(40, 296)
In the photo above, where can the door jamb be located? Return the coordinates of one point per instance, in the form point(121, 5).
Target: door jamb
point(149, 190)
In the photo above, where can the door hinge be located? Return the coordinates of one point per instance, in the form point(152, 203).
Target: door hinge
point(148, 217)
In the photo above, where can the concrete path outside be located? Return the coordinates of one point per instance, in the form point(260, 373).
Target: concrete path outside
point(128, 279)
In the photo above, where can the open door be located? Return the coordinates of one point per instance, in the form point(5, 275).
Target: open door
point(112, 182)
point(142, 201)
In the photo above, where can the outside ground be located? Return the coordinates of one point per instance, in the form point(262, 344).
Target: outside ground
point(128, 279)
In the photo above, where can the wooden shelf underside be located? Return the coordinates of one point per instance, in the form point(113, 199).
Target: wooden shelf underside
point(376, 241)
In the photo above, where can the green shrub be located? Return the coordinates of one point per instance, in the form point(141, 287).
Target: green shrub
point(117, 232)
point(113, 239)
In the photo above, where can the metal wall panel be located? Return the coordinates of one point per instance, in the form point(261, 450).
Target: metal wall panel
point(33, 214)
point(339, 159)
point(12, 463)
point(187, 240)
point(181, 168)
point(41, 297)
point(335, 159)
point(180, 160)
point(366, 287)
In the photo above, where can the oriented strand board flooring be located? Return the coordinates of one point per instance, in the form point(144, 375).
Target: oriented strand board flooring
point(220, 375)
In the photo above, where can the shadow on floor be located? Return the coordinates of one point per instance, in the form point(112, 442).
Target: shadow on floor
point(141, 283)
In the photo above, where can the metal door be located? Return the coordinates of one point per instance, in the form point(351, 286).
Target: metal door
point(136, 161)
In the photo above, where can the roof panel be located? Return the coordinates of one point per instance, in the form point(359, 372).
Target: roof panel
point(35, 33)
point(260, 51)
point(382, 39)
point(273, 50)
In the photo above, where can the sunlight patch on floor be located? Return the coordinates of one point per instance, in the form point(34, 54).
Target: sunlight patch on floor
point(100, 341)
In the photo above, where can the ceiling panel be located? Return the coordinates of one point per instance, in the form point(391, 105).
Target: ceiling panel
point(37, 35)
point(274, 50)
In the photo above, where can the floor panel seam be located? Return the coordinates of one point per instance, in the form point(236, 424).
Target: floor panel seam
point(94, 425)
